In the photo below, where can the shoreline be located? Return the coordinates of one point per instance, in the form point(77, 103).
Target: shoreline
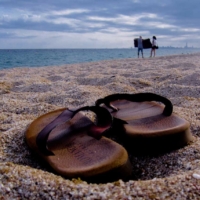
point(28, 92)
point(60, 57)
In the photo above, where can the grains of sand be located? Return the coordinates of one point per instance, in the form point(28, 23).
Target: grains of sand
point(26, 93)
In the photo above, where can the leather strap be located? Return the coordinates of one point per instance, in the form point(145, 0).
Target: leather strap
point(138, 97)
point(104, 119)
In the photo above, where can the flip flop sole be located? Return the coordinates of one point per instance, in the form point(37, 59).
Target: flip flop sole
point(148, 130)
point(79, 154)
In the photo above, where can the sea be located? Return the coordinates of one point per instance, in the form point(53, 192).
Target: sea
point(10, 58)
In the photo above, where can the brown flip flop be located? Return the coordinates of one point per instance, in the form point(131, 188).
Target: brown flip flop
point(74, 146)
point(149, 127)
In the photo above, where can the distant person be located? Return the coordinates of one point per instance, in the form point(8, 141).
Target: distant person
point(153, 48)
point(140, 46)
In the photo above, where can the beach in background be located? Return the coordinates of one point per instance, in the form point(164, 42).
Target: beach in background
point(10, 58)
point(28, 92)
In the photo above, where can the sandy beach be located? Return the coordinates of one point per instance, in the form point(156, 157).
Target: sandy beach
point(26, 93)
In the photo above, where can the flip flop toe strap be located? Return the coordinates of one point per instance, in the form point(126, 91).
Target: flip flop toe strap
point(139, 97)
point(104, 122)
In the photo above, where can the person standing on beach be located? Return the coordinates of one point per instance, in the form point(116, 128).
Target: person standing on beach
point(153, 48)
point(140, 46)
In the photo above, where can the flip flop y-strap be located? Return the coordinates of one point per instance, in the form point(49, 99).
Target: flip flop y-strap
point(139, 97)
point(104, 122)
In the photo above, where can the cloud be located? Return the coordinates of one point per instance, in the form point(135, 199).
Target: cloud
point(69, 12)
point(98, 24)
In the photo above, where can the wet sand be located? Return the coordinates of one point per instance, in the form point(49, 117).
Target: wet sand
point(26, 93)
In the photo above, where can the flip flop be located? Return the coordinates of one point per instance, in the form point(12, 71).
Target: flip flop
point(148, 126)
point(74, 147)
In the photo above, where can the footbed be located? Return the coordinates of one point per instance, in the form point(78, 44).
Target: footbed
point(78, 154)
point(147, 129)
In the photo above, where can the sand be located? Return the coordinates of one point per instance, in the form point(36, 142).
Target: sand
point(26, 93)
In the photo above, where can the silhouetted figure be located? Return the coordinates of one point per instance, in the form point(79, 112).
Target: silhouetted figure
point(140, 46)
point(153, 48)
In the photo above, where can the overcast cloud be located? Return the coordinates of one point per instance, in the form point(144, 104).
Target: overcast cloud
point(97, 24)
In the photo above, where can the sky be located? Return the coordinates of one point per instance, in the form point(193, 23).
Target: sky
point(30, 24)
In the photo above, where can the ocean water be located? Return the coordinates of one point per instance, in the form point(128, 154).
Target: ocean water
point(10, 58)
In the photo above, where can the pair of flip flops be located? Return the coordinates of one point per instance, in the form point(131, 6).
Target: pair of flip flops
point(75, 146)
